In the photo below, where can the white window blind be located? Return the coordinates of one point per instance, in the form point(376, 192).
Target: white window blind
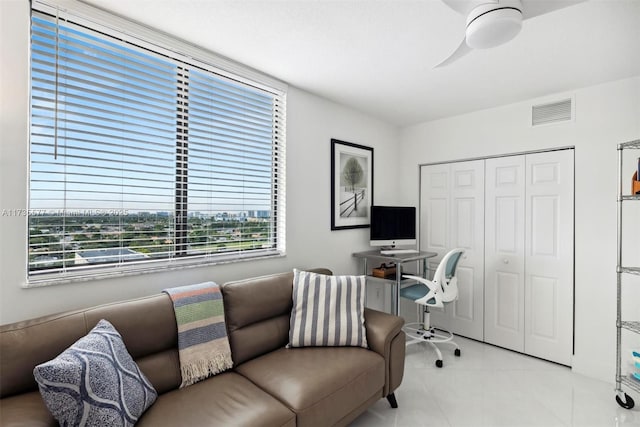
point(142, 160)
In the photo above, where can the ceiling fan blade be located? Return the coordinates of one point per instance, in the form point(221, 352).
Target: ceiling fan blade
point(463, 7)
point(461, 51)
point(531, 8)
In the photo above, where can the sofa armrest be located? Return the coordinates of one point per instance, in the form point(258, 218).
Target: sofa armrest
point(381, 329)
point(385, 337)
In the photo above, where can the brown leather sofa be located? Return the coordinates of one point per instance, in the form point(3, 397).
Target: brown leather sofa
point(268, 386)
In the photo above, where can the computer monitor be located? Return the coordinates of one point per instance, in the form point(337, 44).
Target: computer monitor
point(393, 226)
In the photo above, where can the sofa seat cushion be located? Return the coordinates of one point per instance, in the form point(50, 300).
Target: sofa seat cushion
point(227, 399)
point(322, 385)
point(25, 410)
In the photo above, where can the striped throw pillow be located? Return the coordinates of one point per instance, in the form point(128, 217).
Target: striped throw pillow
point(327, 311)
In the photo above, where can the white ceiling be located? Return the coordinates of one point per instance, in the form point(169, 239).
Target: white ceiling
point(377, 56)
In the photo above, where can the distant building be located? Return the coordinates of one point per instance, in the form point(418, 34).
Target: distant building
point(101, 256)
point(259, 214)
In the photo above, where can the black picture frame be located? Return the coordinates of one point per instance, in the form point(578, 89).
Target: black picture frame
point(351, 185)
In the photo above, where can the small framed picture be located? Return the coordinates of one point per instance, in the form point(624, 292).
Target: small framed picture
point(351, 185)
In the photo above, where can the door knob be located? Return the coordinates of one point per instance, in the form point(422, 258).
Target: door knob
point(506, 261)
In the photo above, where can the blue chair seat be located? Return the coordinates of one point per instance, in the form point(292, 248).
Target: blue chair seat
point(414, 292)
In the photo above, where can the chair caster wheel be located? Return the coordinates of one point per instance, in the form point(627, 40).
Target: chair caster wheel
point(457, 352)
point(628, 402)
point(439, 363)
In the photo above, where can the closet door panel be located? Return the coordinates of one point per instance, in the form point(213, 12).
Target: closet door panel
point(434, 208)
point(463, 308)
point(507, 297)
point(549, 256)
point(438, 214)
point(504, 252)
point(544, 320)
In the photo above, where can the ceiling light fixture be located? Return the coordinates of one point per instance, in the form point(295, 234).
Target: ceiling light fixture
point(489, 26)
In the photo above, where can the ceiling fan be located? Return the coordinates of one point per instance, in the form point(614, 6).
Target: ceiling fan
point(491, 23)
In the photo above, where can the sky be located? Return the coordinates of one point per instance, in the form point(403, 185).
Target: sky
point(116, 107)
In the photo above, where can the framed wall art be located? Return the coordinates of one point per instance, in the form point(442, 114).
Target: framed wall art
point(351, 185)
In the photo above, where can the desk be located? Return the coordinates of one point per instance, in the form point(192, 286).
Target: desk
point(398, 260)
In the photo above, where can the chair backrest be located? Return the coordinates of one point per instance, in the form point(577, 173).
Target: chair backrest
point(452, 263)
point(445, 275)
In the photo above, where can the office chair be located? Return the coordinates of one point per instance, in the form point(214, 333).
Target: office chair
point(443, 289)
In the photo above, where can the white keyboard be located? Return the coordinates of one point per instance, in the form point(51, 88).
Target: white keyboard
point(398, 251)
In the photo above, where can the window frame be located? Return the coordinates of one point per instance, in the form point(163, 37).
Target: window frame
point(181, 51)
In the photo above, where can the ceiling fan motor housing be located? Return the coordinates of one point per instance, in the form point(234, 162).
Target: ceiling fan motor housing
point(493, 24)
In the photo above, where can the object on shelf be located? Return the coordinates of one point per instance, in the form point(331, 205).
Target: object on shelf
point(635, 184)
point(384, 271)
point(632, 360)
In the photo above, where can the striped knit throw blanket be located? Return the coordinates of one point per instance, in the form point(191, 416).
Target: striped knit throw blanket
point(203, 345)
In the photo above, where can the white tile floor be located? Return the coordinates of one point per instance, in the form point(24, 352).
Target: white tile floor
point(490, 386)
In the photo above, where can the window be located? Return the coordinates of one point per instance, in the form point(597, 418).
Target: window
point(143, 159)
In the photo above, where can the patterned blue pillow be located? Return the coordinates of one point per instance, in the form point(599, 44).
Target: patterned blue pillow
point(95, 382)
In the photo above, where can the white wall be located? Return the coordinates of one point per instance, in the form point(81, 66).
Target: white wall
point(311, 123)
point(605, 115)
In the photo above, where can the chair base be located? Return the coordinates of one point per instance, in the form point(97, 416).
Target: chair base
point(416, 332)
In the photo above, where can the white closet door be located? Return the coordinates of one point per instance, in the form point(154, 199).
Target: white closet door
point(452, 215)
point(467, 232)
point(549, 256)
point(514, 216)
point(504, 252)
point(434, 221)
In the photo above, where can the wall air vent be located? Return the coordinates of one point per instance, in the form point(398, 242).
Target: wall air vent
point(554, 112)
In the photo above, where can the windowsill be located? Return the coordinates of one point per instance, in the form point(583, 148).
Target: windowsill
point(140, 269)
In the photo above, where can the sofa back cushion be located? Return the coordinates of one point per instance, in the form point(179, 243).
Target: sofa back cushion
point(257, 313)
point(24, 345)
point(149, 331)
point(147, 326)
